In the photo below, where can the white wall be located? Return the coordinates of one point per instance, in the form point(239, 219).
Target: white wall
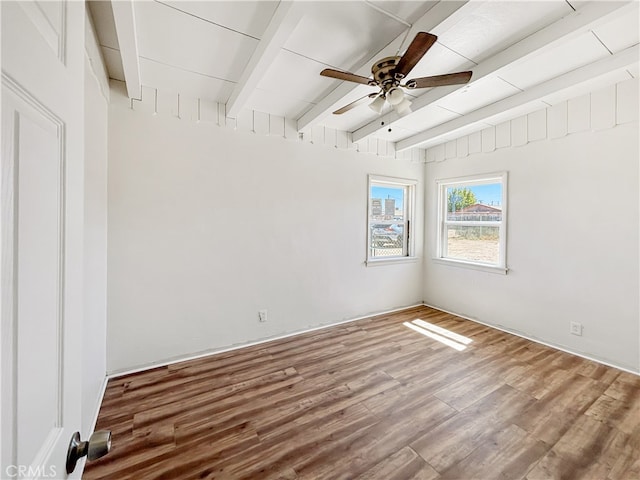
point(208, 225)
point(95, 233)
point(572, 244)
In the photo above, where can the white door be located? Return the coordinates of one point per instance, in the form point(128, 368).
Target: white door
point(41, 207)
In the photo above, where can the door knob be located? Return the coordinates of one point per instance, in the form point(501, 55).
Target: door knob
point(98, 446)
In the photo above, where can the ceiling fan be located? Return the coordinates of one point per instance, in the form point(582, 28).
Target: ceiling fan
point(389, 72)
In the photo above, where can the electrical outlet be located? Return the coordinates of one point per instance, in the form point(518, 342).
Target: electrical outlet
point(262, 315)
point(575, 328)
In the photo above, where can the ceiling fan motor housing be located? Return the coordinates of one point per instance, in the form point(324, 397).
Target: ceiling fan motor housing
point(383, 74)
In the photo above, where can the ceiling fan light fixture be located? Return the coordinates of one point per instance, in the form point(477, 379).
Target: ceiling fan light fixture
point(377, 104)
point(403, 108)
point(395, 96)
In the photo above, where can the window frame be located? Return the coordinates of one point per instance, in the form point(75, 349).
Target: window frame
point(408, 247)
point(482, 179)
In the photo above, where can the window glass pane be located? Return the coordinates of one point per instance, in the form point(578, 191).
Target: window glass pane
point(473, 243)
point(386, 240)
point(387, 203)
point(471, 220)
point(387, 221)
point(474, 203)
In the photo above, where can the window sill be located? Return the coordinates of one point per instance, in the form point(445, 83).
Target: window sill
point(472, 266)
point(375, 262)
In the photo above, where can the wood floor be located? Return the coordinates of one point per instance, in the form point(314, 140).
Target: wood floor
point(375, 399)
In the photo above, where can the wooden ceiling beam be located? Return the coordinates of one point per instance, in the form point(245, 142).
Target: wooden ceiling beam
point(124, 17)
point(282, 24)
point(568, 80)
point(570, 26)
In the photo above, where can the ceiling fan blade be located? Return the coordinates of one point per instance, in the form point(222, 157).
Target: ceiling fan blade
point(349, 77)
point(440, 80)
point(414, 53)
point(354, 104)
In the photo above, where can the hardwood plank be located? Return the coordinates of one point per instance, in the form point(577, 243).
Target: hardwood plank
point(577, 393)
point(379, 442)
point(614, 412)
point(373, 399)
point(308, 409)
point(545, 423)
point(541, 381)
point(509, 453)
point(321, 438)
point(601, 373)
point(249, 462)
point(217, 398)
point(198, 455)
point(453, 440)
point(627, 465)
point(554, 466)
point(625, 387)
point(467, 390)
point(402, 465)
point(126, 459)
point(589, 440)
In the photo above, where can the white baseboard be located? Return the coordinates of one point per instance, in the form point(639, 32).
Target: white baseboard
point(536, 340)
point(207, 353)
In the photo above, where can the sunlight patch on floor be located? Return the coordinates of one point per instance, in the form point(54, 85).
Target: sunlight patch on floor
point(443, 331)
point(442, 335)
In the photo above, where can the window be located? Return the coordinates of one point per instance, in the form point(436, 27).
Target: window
point(472, 221)
point(390, 218)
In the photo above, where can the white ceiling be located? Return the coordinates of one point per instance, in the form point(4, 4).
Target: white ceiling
point(267, 56)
